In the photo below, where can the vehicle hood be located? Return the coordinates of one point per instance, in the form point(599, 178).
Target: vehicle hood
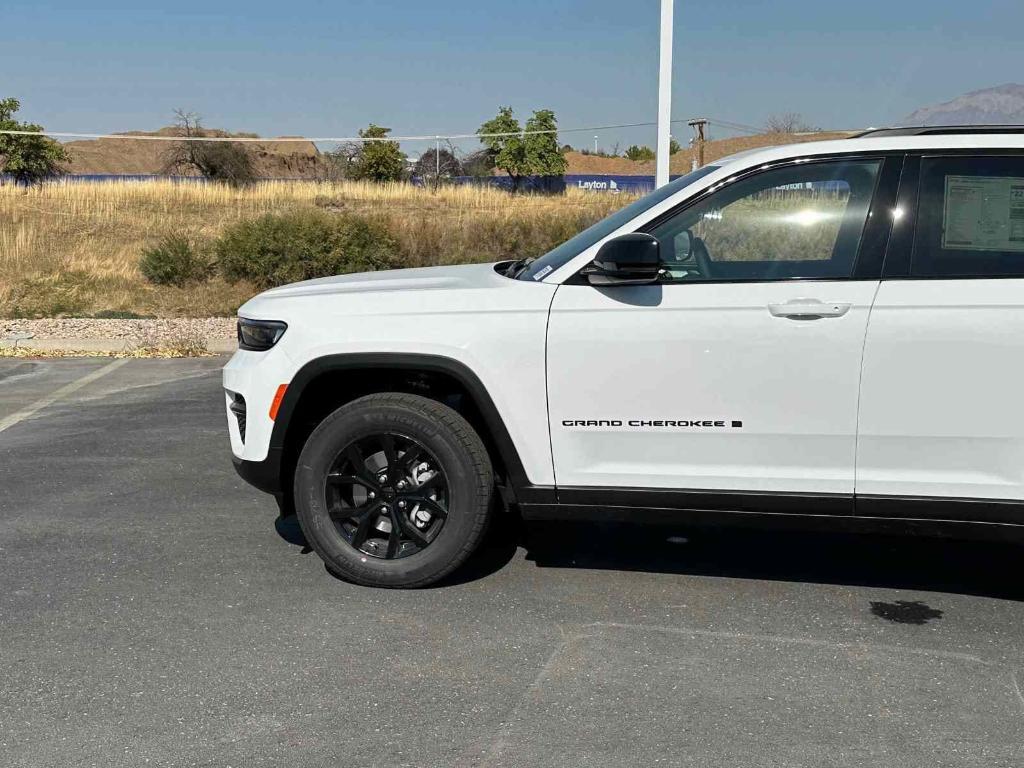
point(421, 279)
point(415, 280)
point(399, 290)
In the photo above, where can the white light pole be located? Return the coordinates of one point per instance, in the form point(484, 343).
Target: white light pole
point(664, 95)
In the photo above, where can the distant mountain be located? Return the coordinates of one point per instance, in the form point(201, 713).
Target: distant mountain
point(1003, 104)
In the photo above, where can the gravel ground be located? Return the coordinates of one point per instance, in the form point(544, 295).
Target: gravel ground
point(141, 332)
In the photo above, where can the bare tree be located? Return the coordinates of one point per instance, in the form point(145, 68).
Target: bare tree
point(788, 122)
point(435, 166)
point(224, 161)
point(343, 160)
point(478, 164)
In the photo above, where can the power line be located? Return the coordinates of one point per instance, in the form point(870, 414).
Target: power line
point(735, 126)
point(314, 139)
point(346, 139)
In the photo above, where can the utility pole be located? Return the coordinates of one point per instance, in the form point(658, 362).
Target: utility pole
point(664, 94)
point(699, 137)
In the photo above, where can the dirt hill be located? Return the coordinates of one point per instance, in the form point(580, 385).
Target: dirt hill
point(682, 161)
point(302, 160)
point(291, 160)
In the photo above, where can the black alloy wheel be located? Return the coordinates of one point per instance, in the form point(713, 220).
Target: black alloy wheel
point(387, 495)
point(394, 490)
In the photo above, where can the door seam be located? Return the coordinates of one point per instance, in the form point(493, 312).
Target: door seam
point(860, 391)
point(547, 390)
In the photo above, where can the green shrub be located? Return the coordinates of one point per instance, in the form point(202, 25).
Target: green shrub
point(175, 260)
point(64, 294)
point(283, 248)
point(640, 154)
point(59, 295)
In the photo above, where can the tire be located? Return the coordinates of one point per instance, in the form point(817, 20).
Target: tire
point(441, 435)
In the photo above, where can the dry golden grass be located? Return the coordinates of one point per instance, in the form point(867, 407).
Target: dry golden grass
point(73, 249)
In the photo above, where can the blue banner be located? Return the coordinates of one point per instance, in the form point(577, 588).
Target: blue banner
point(607, 183)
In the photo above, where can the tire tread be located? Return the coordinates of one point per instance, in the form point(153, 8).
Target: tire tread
point(474, 451)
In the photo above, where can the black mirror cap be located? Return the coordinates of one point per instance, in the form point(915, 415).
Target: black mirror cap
point(632, 259)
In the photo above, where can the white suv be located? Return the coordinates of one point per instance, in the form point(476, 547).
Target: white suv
point(827, 334)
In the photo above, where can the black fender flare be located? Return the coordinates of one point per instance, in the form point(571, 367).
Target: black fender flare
point(266, 474)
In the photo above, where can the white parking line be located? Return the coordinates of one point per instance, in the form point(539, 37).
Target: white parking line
point(67, 389)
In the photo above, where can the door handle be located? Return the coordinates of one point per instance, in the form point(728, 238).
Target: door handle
point(809, 309)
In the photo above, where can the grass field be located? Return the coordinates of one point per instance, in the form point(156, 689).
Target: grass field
point(72, 249)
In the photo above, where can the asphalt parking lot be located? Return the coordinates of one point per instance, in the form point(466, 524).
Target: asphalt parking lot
point(155, 611)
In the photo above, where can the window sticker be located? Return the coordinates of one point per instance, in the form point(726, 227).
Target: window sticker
point(983, 213)
point(541, 274)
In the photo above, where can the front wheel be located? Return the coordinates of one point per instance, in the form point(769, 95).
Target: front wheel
point(394, 490)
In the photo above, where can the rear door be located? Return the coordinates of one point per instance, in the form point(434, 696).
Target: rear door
point(942, 410)
point(739, 370)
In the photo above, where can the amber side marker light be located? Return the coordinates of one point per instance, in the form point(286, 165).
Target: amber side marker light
point(276, 402)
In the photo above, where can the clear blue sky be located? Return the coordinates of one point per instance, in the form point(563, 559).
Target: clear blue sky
point(306, 67)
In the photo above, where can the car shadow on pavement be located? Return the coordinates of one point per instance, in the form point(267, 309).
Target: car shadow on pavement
point(991, 569)
point(498, 548)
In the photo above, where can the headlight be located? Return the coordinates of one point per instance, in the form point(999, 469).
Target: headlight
point(259, 335)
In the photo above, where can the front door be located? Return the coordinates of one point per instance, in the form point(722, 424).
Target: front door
point(739, 370)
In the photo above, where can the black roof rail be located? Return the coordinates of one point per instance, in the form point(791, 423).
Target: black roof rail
point(940, 130)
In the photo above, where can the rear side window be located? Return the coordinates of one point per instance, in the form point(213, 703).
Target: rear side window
point(970, 218)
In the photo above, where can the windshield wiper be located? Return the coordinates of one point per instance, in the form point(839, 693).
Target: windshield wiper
point(517, 267)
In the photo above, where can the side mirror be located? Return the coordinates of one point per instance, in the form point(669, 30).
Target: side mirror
point(633, 259)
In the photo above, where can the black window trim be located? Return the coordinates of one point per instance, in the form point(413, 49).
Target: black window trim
point(874, 239)
point(900, 250)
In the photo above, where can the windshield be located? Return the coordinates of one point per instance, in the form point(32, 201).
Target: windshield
point(559, 256)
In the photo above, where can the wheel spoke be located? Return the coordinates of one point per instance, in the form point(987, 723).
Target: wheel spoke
point(340, 514)
point(431, 482)
point(394, 537)
point(410, 457)
point(352, 513)
point(388, 443)
point(355, 456)
point(362, 530)
point(412, 532)
point(432, 505)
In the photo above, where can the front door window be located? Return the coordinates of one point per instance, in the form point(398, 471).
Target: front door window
point(798, 222)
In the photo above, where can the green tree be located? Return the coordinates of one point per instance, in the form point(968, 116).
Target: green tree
point(508, 151)
point(543, 155)
point(378, 161)
point(639, 154)
point(29, 159)
point(520, 153)
point(674, 146)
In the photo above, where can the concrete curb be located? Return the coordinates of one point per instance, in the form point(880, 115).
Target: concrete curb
point(216, 346)
point(105, 336)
